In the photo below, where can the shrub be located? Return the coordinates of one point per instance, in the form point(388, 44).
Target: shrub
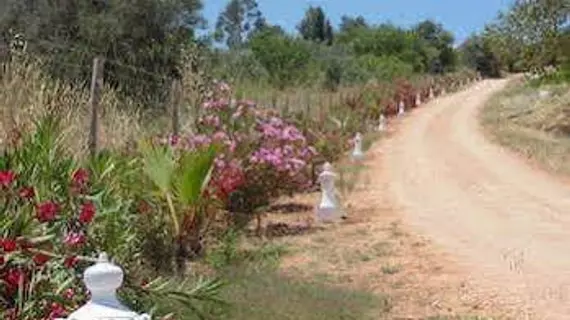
point(262, 156)
point(56, 215)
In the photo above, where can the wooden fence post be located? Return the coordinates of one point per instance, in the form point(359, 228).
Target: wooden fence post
point(175, 101)
point(96, 86)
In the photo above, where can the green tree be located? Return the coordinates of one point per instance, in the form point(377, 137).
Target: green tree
point(476, 53)
point(315, 26)
point(237, 22)
point(436, 46)
point(284, 57)
point(146, 34)
point(529, 34)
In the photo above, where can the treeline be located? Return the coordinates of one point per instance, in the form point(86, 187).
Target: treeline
point(162, 37)
point(351, 53)
point(531, 35)
point(148, 44)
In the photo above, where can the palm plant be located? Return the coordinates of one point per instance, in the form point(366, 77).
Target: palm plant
point(181, 181)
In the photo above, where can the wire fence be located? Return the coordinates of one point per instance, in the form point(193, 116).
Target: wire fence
point(95, 70)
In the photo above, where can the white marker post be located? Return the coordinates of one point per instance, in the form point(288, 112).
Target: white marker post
point(418, 99)
point(357, 153)
point(102, 280)
point(328, 209)
point(382, 122)
point(401, 108)
point(431, 94)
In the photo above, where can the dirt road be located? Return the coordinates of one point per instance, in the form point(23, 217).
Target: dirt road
point(505, 221)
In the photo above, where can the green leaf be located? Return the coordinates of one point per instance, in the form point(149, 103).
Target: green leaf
point(159, 166)
point(194, 174)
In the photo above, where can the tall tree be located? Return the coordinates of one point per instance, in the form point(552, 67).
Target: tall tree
point(237, 22)
point(437, 46)
point(284, 57)
point(476, 53)
point(315, 26)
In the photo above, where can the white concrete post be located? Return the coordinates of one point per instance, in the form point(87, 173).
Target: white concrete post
point(103, 279)
point(382, 122)
point(357, 153)
point(431, 94)
point(328, 208)
point(418, 99)
point(401, 108)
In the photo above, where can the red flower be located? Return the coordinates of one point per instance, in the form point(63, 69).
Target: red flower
point(8, 245)
point(12, 280)
point(7, 177)
point(27, 192)
point(47, 211)
point(40, 259)
point(2, 260)
point(87, 212)
point(70, 262)
point(73, 239)
point(79, 179)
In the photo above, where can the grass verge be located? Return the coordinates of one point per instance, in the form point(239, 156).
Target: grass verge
point(534, 122)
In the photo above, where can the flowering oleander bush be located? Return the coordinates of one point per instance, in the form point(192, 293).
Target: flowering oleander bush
point(262, 155)
point(56, 215)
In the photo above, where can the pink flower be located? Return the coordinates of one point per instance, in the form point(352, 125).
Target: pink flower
point(56, 310)
point(27, 192)
point(73, 239)
point(199, 141)
point(219, 136)
point(173, 140)
point(69, 293)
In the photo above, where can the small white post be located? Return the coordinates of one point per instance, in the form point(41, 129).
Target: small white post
point(431, 94)
point(418, 99)
point(382, 122)
point(442, 91)
point(357, 153)
point(401, 108)
point(328, 208)
point(102, 280)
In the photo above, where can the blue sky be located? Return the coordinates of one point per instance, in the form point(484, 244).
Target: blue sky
point(462, 17)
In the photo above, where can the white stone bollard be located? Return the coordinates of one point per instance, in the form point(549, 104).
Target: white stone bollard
point(443, 91)
point(328, 209)
point(418, 99)
point(102, 280)
point(431, 94)
point(382, 122)
point(357, 153)
point(401, 108)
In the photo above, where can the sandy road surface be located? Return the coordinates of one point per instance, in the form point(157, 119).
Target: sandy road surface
point(507, 223)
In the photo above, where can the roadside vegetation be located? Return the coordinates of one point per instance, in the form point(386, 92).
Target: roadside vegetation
point(209, 141)
point(532, 117)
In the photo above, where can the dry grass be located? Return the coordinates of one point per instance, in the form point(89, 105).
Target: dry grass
point(26, 96)
point(536, 127)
